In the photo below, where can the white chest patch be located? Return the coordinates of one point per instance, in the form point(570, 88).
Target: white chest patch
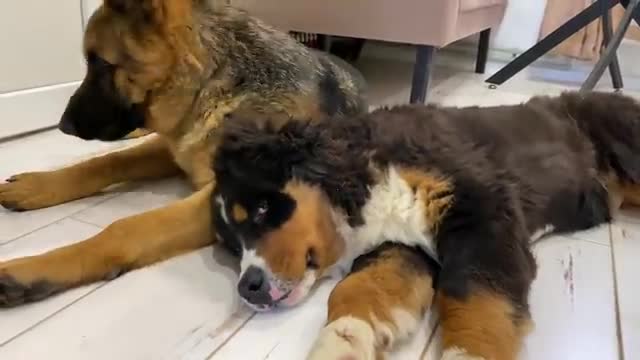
point(392, 213)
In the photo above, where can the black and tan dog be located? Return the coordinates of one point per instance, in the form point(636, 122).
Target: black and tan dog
point(177, 68)
point(427, 200)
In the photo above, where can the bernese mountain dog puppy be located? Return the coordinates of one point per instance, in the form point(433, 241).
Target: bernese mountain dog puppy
point(420, 204)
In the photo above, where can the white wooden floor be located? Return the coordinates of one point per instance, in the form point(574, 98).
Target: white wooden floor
point(584, 301)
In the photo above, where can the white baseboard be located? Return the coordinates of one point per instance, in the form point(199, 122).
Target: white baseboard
point(31, 110)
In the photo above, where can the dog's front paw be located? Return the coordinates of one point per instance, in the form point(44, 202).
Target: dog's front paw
point(26, 192)
point(28, 279)
point(14, 292)
point(347, 338)
point(35, 190)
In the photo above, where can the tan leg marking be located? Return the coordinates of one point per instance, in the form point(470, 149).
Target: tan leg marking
point(434, 190)
point(375, 307)
point(35, 190)
point(630, 194)
point(484, 326)
point(125, 245)
point(615, 196)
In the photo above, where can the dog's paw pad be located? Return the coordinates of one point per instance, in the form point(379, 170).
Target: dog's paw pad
point(347, 338)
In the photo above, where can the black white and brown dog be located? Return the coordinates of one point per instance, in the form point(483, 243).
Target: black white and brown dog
point(420, 203)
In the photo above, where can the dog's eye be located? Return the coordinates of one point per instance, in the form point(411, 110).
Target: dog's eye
point(261, 212)
point(312, 263)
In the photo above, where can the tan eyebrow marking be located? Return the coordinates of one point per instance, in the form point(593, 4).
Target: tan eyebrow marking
point(239, 213)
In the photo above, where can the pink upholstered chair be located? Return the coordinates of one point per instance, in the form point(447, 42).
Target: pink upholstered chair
point(427, 24)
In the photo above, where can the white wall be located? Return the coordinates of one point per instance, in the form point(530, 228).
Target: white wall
point(40, 42)
point(520, 28)
point(88, 7)
point(40, 62)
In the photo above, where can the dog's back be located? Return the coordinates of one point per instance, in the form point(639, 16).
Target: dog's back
point(611, 122)
point(558, 158)
point(262, 61)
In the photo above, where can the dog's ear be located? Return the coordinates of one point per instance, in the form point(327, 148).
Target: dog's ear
point(166, 14)
point(172, 19)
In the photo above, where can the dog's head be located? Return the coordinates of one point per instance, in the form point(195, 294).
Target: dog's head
point(278, 193)
point(131, 48)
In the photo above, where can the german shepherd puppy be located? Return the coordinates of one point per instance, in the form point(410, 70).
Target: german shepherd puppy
point(416, 201)
point(177, 68)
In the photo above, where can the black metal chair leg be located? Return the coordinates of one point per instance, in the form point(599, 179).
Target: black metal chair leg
point(421, 73)
point(612, 47)
point(635, 15)
point(483, 51)
point(614, 67)
point(569, 28)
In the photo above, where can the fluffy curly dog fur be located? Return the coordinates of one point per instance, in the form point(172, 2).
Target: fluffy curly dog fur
point(425, 200)
point(177, 68)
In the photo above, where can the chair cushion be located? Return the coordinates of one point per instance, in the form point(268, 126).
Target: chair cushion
point(468, 5)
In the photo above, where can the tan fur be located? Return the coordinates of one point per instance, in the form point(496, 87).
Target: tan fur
point(620, 194)
point(310, 227)
point(41, 189)
point(138, 133)
point(239, 213)
point(483, 326)
point(378, 292)
point(630, 194)
point(128, 243)
point(433, 190)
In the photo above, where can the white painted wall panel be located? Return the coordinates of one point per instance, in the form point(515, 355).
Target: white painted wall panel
point(34, 109)
point(41, 43)
point(88, 7)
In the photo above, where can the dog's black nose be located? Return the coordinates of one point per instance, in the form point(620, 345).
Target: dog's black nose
point(254, 286)
point(67, 127)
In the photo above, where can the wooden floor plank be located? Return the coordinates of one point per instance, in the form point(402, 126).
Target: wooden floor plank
point(144, 314)
point(626, 247)
point(572, 303)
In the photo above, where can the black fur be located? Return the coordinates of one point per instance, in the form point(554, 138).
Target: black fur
point(514, 170)
point(96, 110)
point(279, 209)
point(14, 293)
point(296, 150)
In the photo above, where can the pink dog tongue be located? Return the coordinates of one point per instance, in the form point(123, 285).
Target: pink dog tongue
point(275, 293)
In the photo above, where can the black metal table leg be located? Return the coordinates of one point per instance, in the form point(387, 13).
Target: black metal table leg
point(421, 73)
point(614, 67)
point(483, 51)
point(569, 28)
